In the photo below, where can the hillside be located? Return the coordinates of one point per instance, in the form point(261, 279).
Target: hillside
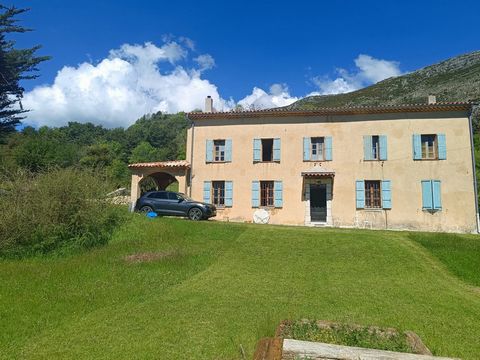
point(455, 79)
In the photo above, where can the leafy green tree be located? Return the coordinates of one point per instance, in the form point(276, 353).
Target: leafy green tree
point(37, 152)
point(99, 155)
point(144, 152)
point(15, 65)
point(118, 173)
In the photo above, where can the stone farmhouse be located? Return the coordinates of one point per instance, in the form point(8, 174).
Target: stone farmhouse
point(383, 167)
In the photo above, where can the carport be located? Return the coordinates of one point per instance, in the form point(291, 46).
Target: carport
point(162, 173)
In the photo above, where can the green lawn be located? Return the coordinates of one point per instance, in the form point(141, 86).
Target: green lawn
point(223, 286)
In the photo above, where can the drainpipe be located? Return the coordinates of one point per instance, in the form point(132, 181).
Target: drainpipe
point(477, 218)
point(192, 124)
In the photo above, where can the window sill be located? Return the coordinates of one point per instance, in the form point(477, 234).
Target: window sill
point(217, 162)
point(431, 211)
point(266, 162)
point(314, 161)
point(373, 209)
point(428, 159)
point(373, 160)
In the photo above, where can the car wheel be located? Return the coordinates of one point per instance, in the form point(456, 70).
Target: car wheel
point(146, 209)
point(195, 214)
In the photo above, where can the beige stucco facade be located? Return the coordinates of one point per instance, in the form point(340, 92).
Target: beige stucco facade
point(458, 213)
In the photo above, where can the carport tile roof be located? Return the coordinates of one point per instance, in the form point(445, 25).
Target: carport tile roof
point(162, 164)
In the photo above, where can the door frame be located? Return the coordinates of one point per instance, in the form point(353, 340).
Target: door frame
point(325, 181)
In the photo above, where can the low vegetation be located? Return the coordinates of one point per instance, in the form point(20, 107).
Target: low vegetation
point(59, 210)
point(174, 289)
point(346, 334)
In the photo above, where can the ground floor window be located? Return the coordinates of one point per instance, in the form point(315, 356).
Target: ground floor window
point(373, 195)
point(266, 193)
point(218, 190)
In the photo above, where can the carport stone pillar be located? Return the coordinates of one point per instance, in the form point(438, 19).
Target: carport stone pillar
point(134, 191)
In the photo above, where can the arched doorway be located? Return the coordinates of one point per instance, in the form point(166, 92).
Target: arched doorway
point(158, 181)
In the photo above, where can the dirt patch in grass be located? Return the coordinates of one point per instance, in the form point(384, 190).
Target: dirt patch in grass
point(151, 256)
point(352, 335)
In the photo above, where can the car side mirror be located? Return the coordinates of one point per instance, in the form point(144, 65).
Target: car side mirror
point(180, 200)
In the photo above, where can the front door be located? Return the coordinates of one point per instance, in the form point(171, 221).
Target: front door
point(318, 203)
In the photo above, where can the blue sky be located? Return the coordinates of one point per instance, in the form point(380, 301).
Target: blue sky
point(299, 47)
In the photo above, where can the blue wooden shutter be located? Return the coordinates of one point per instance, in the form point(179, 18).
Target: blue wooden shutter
point(417, 147)
point(328, 148)
point(442, 147)
point(257, 149)
point(207, 185)
point(427, 201)
point(360, 193)
point(228, 150)
point(306, 148)
point(367, 147)
point(278, 193)
point(386, 194)
point(436, 194)
point(276, 149)
point(228, 193)
point(255, 193)
point(383, 147)
point(209, 151)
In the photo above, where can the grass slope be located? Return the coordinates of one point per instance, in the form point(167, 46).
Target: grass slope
point(461, 255)
point(227, 286)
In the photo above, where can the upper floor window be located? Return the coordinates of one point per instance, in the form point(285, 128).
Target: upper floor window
point(429, 147)
point(317, 148)
point(318, 144)
point(266, 150)
point(219, 150)
point(375, 147)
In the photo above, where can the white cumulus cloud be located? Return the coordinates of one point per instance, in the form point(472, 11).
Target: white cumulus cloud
point(369, 70)
point(260, 99)
point(205, 62)
point(135, 80)
point(121, 88)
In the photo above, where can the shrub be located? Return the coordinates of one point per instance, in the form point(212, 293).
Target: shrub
point(56, 209)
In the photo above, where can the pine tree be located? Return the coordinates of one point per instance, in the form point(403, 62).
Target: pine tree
point(16, 65)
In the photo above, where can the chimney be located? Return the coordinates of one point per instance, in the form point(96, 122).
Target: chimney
point(432, 99)
point(208, 104)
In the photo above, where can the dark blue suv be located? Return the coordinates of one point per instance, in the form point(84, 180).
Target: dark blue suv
point(174, 204)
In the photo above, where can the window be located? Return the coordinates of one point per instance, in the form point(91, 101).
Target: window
point(218, 190)
point(431, 195)
point(318, 147)
point(267, 149)
point(219, 150)
point(373, 195)
point(429, 147)
point(161, 195)
point(375, 147)
point(266, 193)
point(174, 196)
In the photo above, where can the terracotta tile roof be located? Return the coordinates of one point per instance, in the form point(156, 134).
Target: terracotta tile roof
point(162, 164)
point(354, 110)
